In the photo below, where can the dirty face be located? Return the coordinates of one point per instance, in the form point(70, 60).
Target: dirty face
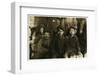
point(72, 31)
point(47, 34)
point(61, 32)
point(41, 29)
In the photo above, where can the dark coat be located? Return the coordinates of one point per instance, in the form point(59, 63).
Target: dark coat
point(73, 47)
point(59, 46)
point(41, 47)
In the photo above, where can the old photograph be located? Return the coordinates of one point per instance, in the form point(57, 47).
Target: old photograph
point(57, 37)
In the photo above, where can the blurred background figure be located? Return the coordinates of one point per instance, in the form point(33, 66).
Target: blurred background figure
point(82, 35)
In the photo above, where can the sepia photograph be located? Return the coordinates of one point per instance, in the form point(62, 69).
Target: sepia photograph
point(57, 38)
point(52, 37)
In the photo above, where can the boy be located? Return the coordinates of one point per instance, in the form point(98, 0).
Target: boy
point(73, 48)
